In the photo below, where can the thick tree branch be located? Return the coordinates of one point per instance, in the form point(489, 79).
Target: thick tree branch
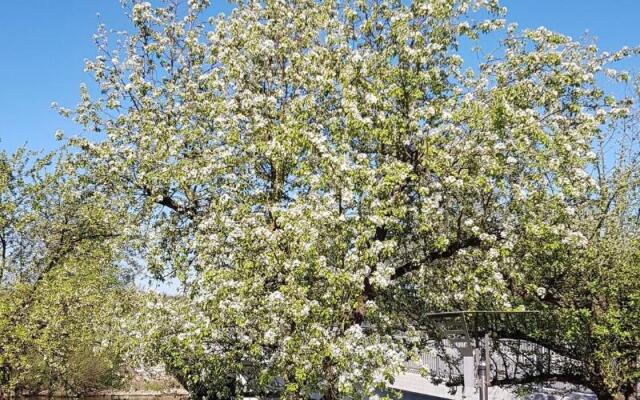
point(575, 379)
point(555, 347)
point(167, 201)
point(435, 255)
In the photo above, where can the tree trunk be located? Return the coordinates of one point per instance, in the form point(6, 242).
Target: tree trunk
point(602, 392)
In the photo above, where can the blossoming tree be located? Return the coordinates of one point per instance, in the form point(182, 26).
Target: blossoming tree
point(312, 171)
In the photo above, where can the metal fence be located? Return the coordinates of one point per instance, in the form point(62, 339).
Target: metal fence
point(509, 359)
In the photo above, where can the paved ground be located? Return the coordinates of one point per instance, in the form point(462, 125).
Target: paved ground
point(416, 396)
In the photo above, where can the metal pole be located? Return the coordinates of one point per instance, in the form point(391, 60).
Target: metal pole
point(482, 375)
point(487, 357)
point(483, 368)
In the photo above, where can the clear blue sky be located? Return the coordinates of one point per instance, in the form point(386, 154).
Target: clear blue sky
point(43, 45)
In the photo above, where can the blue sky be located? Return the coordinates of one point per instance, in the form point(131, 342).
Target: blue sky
point(43, 45)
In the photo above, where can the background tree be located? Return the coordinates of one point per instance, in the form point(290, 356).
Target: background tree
point(314, 171)
point(63, 296)
point(589, 295)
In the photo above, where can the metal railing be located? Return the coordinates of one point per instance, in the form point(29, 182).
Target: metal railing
point(509, 359)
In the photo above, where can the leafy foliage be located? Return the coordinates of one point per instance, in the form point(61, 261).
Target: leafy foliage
point(62, 296)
